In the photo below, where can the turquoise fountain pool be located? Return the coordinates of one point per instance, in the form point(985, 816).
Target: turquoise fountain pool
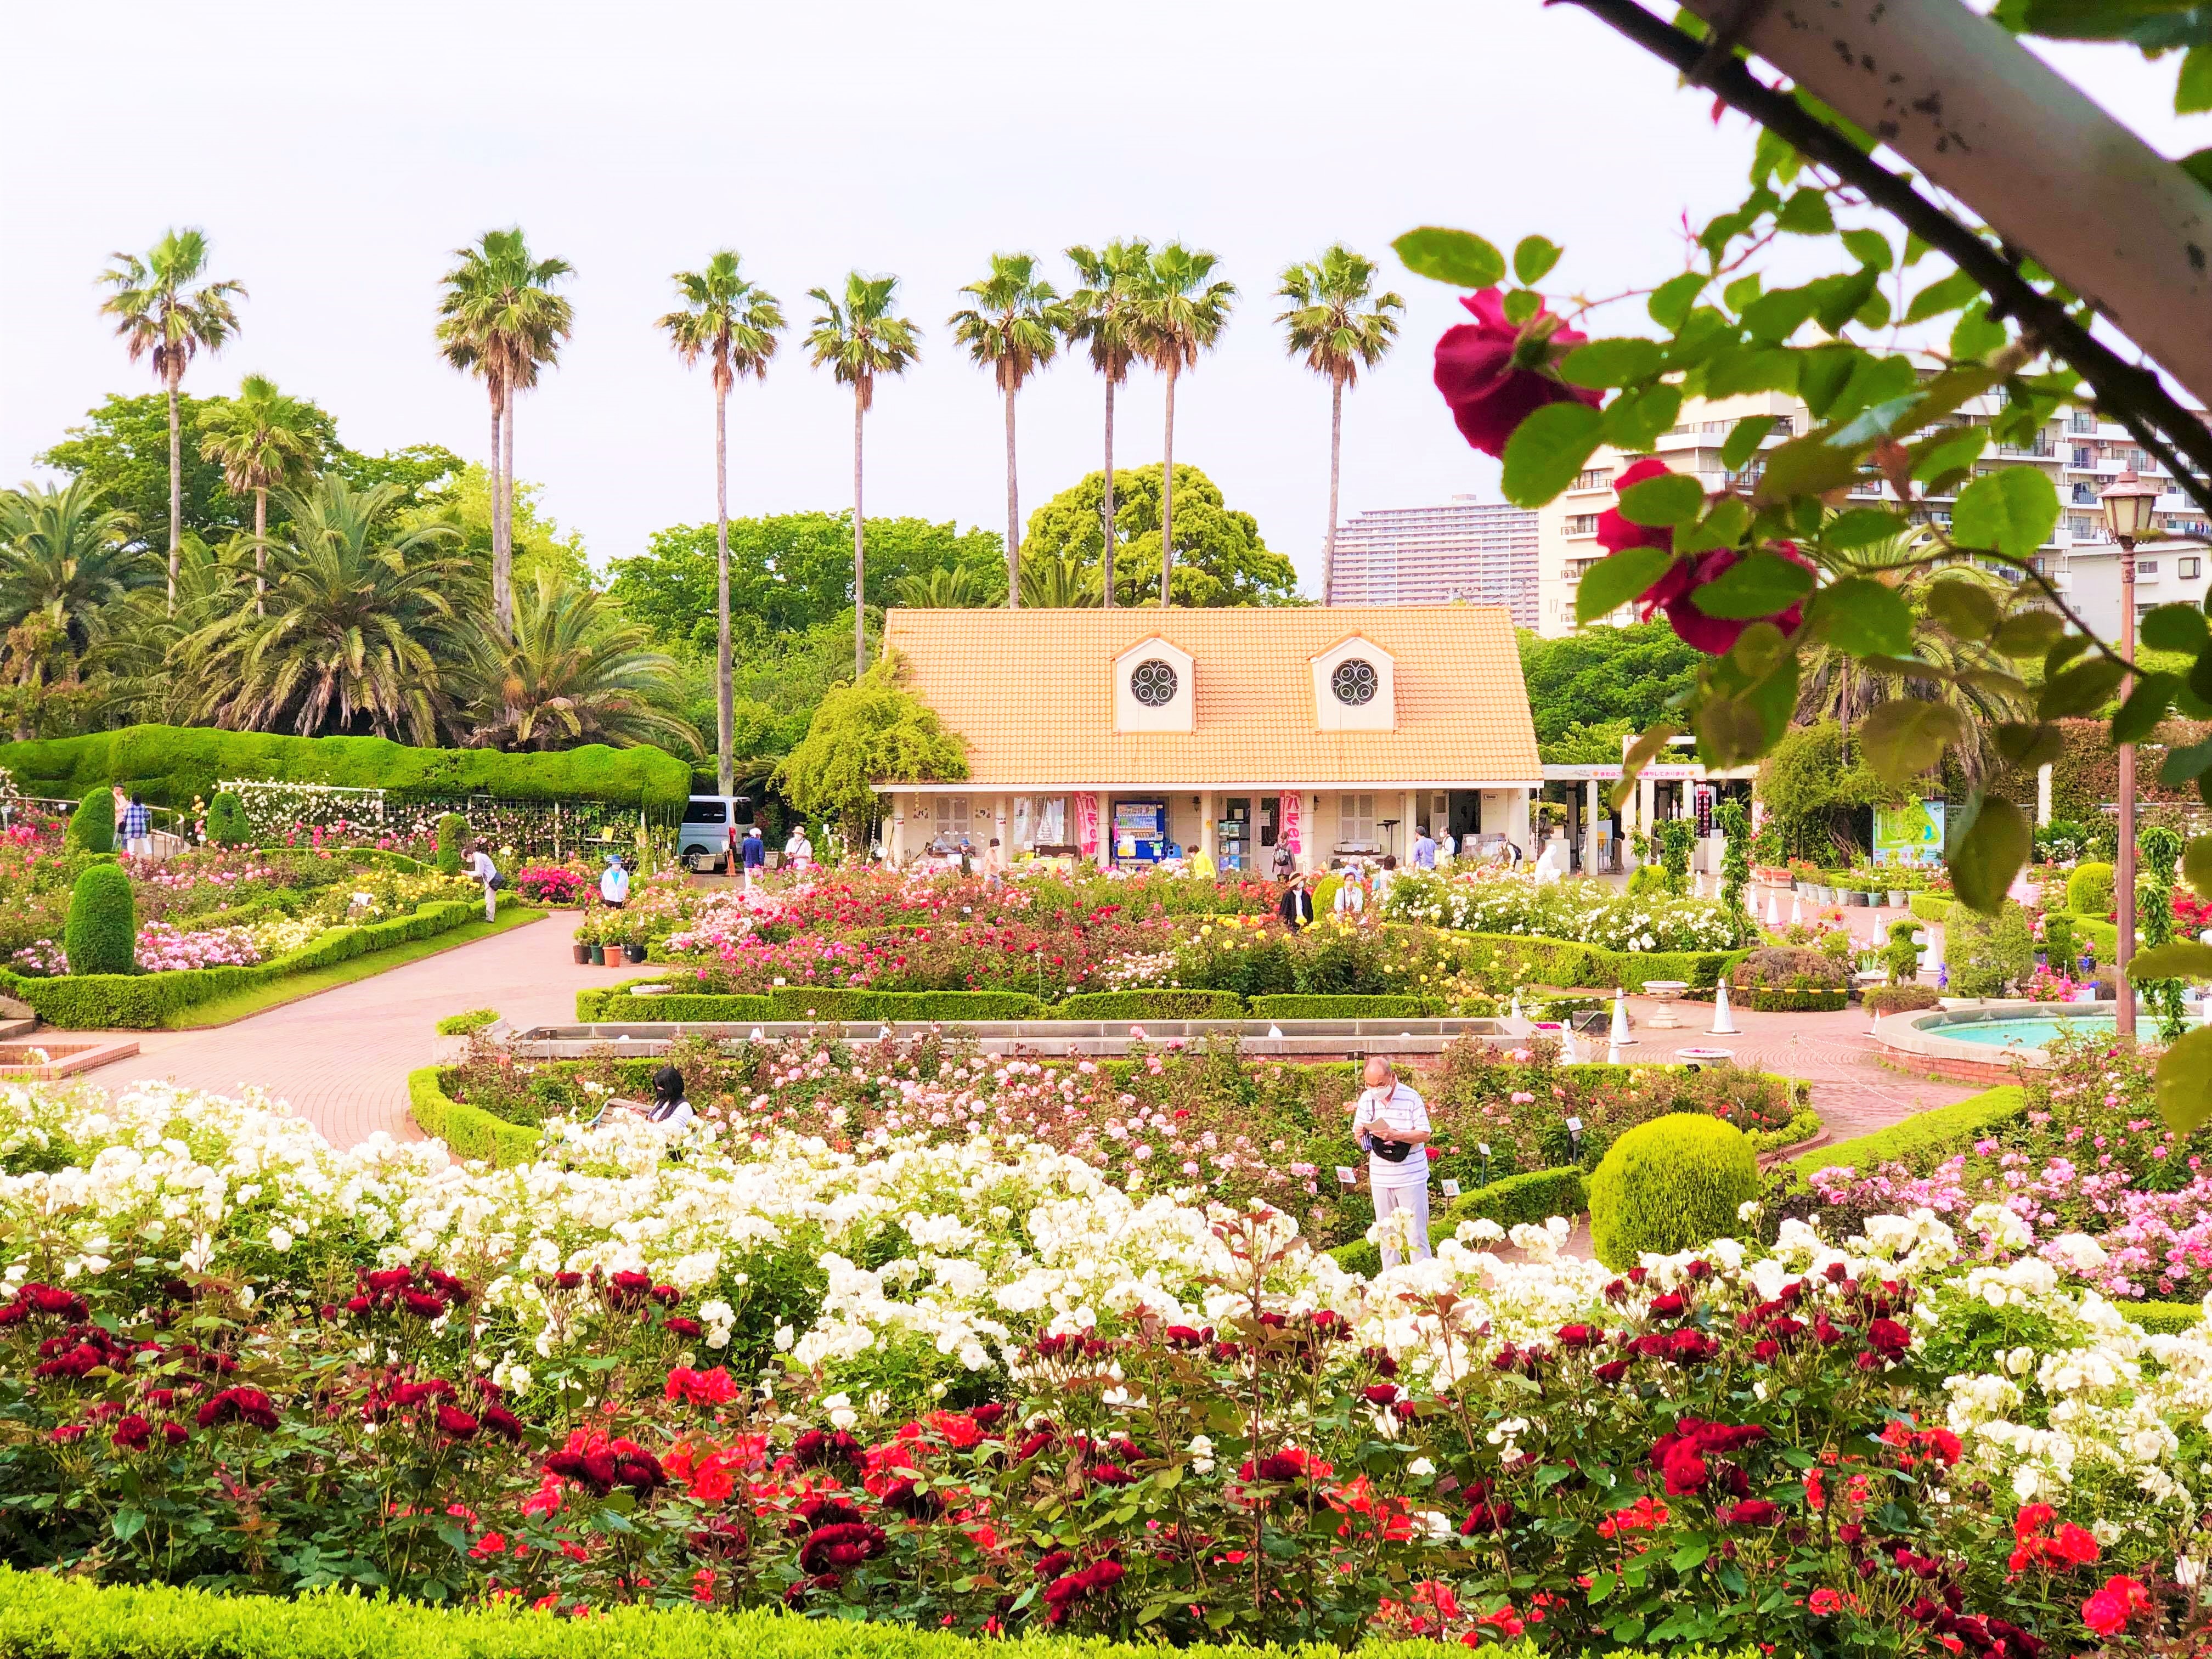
point(2033, 1032)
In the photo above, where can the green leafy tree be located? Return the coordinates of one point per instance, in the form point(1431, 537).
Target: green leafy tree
point(1606, 674)
point(1734, 823)
point(2161, 851)
point(464, 505)
point(1180, 310)
point(870, 731)
point(500, 319)
point(1219, 556)
point(858, 337)
point(166, 312)
point(66, 556)
point(424, 474)
point(1102, 319)
point(573, 671)
point(733, 322)
point(1059, 584)
point(1014, 329)
point(1600, 743)
point(1815, 801)
point(1339, 324)
point(789, 573)
point(363, 618)
point(263, 441)
point(958, 588)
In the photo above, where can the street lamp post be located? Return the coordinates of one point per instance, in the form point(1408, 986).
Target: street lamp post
point(2127, 507)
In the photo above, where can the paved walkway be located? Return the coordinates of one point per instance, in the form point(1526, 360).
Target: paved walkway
point(342, 1057)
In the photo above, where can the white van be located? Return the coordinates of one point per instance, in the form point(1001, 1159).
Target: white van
point(703, 841)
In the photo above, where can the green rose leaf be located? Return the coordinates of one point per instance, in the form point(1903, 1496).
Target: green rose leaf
point(1762, 584)
point(1863, 616)
point(1990, 848)
point(1521, 304)
point(2024, 746)
point(1612, 362)
point(1906, 736)
point(1670, 303)
point(1457, 257)
point(1950, 449)
point(1945, 293)
point(1870, 248)
point(1548, 449)
point(1614, 580)
point(1805, 214)
point(2013, 510)
point(1534, 257)
point(2082, 689)
point(2174, 628)
point(2196, 865)
point(2146, 708)
point(1636, 420)
point(1675, 499)
point(1743, 439)
point(2192, 92)
point(2183, 1084)
point(1863, 526)
point(1976, 335)
point(2029, 634)
point(1723, 527)
point(2181, 959)
point(1967, 610)
point(1809, 466)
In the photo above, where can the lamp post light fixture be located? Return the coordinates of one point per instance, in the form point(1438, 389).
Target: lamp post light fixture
point(2127, 505)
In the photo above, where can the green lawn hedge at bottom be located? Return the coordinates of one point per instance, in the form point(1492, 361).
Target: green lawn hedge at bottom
point(43, 1617)
point(142, 1002)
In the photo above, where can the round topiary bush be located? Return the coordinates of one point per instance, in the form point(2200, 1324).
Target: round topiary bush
point(453, 830)
point(1672, 1184)
point(92, 826)
point(226, 821)
point(2089, 889)
point(101, 934)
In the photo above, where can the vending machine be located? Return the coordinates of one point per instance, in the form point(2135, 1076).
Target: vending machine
point(1234, 837)
point(1141, 831)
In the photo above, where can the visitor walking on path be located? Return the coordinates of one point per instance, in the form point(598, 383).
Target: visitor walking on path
point(1392, 1124)
point(482, 867)
point(799, 852)
point(139, 829)
point(614, 883)
point(754, 853)
point(1296, 906)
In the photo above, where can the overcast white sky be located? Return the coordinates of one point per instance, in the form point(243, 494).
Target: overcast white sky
point(336, 156)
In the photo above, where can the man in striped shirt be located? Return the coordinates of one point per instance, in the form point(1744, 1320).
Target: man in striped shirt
point(1392, 1124)
point(139, 829)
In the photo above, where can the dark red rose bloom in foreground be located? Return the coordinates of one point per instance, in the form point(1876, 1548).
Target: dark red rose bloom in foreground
point(1474, 371)
point(1714, 635)
point(1615, 533)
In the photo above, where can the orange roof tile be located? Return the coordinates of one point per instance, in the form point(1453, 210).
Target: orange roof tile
point(1032, 692)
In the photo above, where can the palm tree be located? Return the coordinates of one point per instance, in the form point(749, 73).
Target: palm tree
point(1058, 583)
point(1339, 325)
point(501, 319)
point(362, 612)
point(136, 658)
point(67, 558)
point(263, 441)
point(948, 587)
point(161, 314)
point(573, 671)
point(1013, 329)
point(1180, 309)
point(733, 324)
point(1101, 316)
point(860, 339)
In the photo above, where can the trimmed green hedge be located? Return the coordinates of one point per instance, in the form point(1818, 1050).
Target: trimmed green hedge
point(1934, 1134)
point(1784, 999)
point(469, 1132)
point(102, 933)
point(92, 826)
point(1148, 1005)
point(1565, 964)
point(2163, 1318)
point(1931, 907)
point(823, 1002)
point(227, 823)
point(1536, 1198)
point(1673, 1183)
point(461, 1024)
point(42, 1616)
point(1346, 1007)
point(173, 764)
point(142, 1002)
point(617, 1005)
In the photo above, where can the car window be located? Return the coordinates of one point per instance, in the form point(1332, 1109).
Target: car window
point(707, 812)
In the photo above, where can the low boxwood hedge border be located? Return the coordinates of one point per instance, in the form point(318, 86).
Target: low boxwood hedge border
point(1931, 906)
point(1786, 999)
point(1567, 964)
point(143, 1002)
point(1335, 1007)
point(45, 1616)
point(1935, 1134)
point(469, 1132)
point(620, 1005)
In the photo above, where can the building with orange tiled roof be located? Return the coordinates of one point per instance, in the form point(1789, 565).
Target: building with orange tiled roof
point(1114, 735)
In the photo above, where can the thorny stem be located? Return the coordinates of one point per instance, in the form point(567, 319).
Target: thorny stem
point(2131, 393)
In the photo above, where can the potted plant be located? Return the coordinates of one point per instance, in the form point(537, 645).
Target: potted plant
point(633, 949)
point(581, 942)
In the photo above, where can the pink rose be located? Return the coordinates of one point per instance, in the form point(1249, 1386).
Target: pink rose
point(1474, 371)
point(1615, 533)
point(1714, 635)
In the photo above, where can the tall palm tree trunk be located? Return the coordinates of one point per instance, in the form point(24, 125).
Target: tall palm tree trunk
point(1335, 457)
point(1013, 516)
point(859, 544)
point(1106, 506)
point(503, 570)
point(260, 550)
point(725, 765)
point(176, 487)
point(498, 530)
point(1167, 495)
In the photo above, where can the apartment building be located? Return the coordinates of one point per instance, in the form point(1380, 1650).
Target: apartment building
point(1464, 550)
point(2080, 454)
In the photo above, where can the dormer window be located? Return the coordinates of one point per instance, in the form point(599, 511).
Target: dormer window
point(1152, 683)
point(1354, 681)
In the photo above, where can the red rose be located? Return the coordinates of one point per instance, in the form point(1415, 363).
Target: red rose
point(1751, 1512)
point(1716, 637)
point(1474, 371)
point(1580, 1336)
point(1615, 533)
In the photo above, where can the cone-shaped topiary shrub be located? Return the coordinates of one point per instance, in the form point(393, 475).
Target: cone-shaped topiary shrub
point(92, 826)
point(101, 934)
point(453, 830)
point(1672, 1184)
point(226, 821)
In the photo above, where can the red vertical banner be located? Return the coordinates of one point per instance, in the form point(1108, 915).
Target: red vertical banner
point(1292, 834)
point(1087, 825)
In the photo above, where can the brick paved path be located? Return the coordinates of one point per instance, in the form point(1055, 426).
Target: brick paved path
point(342, 1057)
